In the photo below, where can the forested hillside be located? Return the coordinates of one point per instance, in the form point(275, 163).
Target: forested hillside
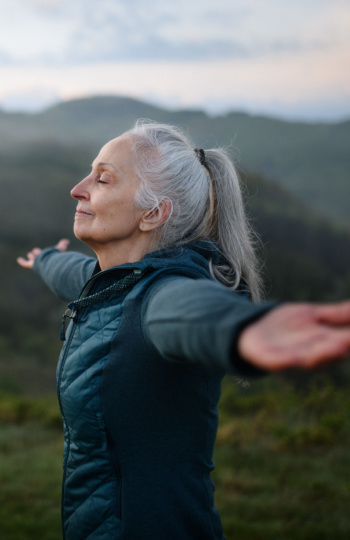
point(311, 160)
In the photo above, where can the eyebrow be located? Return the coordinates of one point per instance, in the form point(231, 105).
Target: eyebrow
point(103, 164)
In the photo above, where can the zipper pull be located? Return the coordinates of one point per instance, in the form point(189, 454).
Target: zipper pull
point(69, 314)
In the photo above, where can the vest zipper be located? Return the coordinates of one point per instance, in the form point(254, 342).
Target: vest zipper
point(72, 315)
point(68, 314)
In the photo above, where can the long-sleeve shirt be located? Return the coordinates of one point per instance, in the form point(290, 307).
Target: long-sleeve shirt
point(138, 383)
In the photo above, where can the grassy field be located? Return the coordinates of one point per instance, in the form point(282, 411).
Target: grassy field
point(30, 469)
point(283, 464)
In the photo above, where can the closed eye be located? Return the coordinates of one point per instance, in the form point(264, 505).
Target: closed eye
point(103, 178)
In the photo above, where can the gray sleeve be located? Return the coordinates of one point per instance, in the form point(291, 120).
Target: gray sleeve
point(64, 273)
point(200, 321)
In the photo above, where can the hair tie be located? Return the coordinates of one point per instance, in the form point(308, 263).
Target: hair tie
point(212, 195)
point(201, 156)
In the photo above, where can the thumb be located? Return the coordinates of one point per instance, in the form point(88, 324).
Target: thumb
point(62, 244)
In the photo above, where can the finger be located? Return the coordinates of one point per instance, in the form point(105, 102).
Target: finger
point(25, 263)
point(326, 346)
point(63, 244)
point(337, 314)
point(32, 254)
point(307, 350)
point(335, 347)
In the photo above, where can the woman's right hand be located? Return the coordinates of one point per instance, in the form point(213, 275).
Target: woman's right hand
point(29, 261)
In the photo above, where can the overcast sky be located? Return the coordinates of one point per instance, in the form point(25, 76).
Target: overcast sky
point(289, 59)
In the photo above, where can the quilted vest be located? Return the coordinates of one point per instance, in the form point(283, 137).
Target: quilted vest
point(139, 430)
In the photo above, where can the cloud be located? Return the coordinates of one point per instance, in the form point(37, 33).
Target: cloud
point(83, 31)
point(288, 88)
point(45, 3)
point(5, 58)
point(198, 52)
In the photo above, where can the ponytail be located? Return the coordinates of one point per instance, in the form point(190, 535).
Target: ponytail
point(206, 200)
point(232, 231)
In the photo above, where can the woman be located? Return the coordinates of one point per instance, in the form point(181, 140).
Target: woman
point(155, 323)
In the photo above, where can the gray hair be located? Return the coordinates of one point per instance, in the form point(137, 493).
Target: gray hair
point(206, 199)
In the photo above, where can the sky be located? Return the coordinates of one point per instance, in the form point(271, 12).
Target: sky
point(284, 59)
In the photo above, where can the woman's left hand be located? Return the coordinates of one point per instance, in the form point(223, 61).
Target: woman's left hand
point(297, 335)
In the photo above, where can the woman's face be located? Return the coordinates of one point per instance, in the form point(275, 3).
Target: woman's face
point(106, 217)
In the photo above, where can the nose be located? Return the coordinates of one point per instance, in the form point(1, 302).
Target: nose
point(80, 190)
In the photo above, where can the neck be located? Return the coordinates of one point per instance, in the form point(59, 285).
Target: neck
point(122, 253)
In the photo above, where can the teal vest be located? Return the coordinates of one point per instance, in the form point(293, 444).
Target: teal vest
point(139, 430)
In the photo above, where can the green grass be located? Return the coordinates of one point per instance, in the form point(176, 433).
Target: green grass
point(30, 477)
point(30, 469)
point(282, 464)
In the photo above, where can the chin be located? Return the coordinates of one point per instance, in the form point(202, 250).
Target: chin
point(86, 238)
point(81, 234)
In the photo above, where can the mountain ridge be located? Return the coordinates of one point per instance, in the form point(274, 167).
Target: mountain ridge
point(312, 160)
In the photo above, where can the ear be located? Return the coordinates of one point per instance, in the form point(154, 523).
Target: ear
point(156, 217)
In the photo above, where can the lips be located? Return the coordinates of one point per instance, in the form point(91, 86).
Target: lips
point(81, 212)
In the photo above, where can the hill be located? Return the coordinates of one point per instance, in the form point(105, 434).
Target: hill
point(43, 156)
point(310, 160)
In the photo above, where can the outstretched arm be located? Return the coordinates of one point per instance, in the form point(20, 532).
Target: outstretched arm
point(297, 335)
point(64, 273)
point(201, 321)
point(29, 261)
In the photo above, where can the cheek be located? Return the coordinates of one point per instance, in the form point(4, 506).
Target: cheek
point(128, 210)
point(119, 218)
point(120, 213)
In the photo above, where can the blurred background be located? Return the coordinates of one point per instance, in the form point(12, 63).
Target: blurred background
point(270, 81)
